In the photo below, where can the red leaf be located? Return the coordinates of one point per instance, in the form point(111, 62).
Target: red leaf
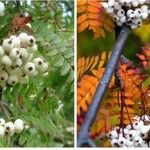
point(140, 56)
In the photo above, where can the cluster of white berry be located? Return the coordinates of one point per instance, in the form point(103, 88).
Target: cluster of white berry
point(17, 63)
point(2, 8)
point(130, 12)
point(135, 135)
point(9, 128)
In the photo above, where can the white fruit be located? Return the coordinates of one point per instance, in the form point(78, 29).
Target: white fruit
point(128, 1)
point(23, 80)
point(144, 15)
point(117, 6)
point(17, 63)
point(7, 45)
point(19, 125)
point(137, 125)
point(132, 133)
point(138, 22)
point(30, 40)
point(105, 5)
point(145, 129)
point(144, 144)
point(23, 37)
point(3, 77)
point(146, 118)
point(115, 18)
point(129, 142)
point(5, 60)
point(123, 19)
point(9, 127)
point(24, 53)
point(119, 23)
point(114, 143)
point(38, 62)
point(29, 68)
point(113, 135)
point(44, 68)
point(1, 51)
point(120, 13)
point(32, 48)
point(144, 8)
point(138, 12)
point(2, 8)
point(26, 127)
point(142, 1)
point(2, 131)
point(2, 122)
point(15, 53)
point(133, 26)
point(128, 127)
point(138, 141)
point(111, 3)
point(129, 12)
point(122, 141)
point(109, 10)
point(16, 42)
point(135, 3)
point(12, 79)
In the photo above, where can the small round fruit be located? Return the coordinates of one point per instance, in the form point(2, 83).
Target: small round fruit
point(29, 68)
point(23, 37)
point(5, 60)
point(19, 125)
point(38, 62)
point(17, 63)
point(24, 53)
point(16, 42)
point(1, 51)
point(15, 53)
point(23, 80)
point(3, 76)
point(2, 131)
point(30, 40)
point(32, 48)
point(7, 45)
point(44, 68)
point(12, 79)
point(2, 122)
point(9, 127)
point(120, 13)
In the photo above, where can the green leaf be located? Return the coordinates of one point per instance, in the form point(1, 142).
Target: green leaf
point(53, 52)
point(59, 62)
point(22, 140)
point(65, 69)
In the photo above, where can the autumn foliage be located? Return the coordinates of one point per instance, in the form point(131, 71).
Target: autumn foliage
point(91, 16)
point(126, 96)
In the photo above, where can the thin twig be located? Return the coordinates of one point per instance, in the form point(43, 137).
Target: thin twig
point(102, 86)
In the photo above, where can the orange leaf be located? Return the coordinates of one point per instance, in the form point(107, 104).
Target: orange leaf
point(83, 26)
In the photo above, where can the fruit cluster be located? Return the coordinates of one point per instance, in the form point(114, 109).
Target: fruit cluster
point(9, 128)
point(130, 12)
point(135, 135)
point(17, 62)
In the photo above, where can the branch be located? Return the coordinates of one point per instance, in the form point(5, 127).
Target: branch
point(83, 135)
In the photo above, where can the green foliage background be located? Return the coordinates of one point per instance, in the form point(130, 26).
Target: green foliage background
point(52, 23)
